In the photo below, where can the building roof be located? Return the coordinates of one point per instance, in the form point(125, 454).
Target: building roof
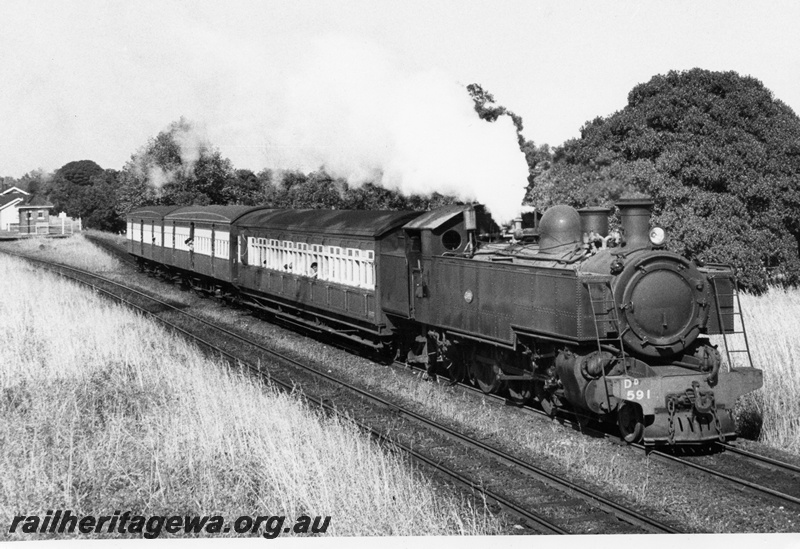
point(37, 201)
point(361, 223)
point(10, 199)
point(22, 200)
point(15, 190)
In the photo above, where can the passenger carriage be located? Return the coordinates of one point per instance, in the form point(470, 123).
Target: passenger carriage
point(319, 268)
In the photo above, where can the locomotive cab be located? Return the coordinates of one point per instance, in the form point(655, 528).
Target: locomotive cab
point(451, 231)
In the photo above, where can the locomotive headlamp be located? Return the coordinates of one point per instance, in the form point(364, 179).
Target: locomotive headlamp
point(657, 236)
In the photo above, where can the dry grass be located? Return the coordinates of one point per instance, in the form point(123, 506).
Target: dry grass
point(773, 329)
point(101, 412)
point(74, 250)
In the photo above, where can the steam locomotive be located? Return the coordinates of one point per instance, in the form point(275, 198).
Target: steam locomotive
point(609, 324)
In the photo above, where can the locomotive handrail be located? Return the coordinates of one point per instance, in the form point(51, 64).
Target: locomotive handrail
point(737, 311)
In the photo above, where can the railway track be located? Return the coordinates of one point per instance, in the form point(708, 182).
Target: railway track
point(774, 480)
point(544, 502)
point(761, 475)
point(750, 472)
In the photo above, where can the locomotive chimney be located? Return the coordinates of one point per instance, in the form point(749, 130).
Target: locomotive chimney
point(595, 220)
point(635, 216)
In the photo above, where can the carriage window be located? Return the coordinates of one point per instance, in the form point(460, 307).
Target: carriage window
point(222, 244)
point(415, 242)
point(349, 266)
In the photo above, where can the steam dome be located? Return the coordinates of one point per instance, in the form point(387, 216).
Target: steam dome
point(559, 229)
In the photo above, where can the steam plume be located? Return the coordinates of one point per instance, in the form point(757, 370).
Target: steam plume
point(171, 155)
point(353, 111)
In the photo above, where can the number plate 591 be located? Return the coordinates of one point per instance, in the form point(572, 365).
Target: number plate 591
point(634, 394)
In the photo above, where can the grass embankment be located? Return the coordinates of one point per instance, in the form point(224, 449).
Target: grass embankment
point(75, 251)
point(773, 330)
point(101, 411)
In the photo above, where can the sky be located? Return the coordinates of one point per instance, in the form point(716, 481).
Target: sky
point(364, 87)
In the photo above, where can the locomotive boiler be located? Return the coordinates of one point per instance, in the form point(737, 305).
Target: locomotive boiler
point(613, 326)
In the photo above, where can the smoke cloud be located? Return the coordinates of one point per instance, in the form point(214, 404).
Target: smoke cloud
point(350, 109)
point(155, 162)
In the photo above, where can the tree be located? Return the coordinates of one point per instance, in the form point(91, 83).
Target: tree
point(83, 189)
point(243, 188)
point(177, 167)
point(104, 191)
point(35, 181)
point(68, 188)
point(719, 155)
point(7, 182)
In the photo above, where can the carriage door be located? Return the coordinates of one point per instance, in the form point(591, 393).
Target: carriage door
point(152, 242)
point(213, 237)
point(414, 255)
point(191, 245)
point(141, 237)
point(172, 247)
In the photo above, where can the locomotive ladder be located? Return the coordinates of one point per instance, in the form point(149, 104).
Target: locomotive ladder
point(604, 311)
point(736, 312)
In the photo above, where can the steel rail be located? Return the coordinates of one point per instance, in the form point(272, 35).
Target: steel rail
point(730, 478)
point(758, 457)
point(737, 481)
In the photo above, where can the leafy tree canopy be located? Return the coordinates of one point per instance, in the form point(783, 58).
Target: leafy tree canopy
point(319, 190)
point(84, 189)
point(177, 167)
point(35, 181)
point(79, 172)
point(719, 155)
